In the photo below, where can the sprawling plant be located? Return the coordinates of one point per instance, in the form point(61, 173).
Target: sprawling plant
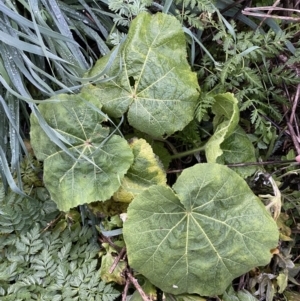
point(195, 237)
point(124, 90)
point(37, 264)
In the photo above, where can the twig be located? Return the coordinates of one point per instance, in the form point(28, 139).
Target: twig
point(294, 138)
point(50, 224)
point(269, 13)
point(187, 153)
point(243, 164)
point(295, 104)
point(117, 259)
point(125, 290)
point(249, 9)
point(175, 170)
point(103, 239)
point(248, 13)
point(137, 286)
point(275, 124)
point(261, 163)
point(292, 132)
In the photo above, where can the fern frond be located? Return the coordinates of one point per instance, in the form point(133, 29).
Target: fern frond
point(192, 19)
point(42, 265)
point(252, 77)
point(202, 5)
point(206, 101)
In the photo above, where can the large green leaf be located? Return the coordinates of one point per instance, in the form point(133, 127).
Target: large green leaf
point(226, 119)
point(202, 235)
point(101, 161)
point(155, 84)
point(238, 148)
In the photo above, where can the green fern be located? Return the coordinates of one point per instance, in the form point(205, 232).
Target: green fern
point(202, 5)
point(126, 10)
point(205, 102)
point(44, 265)
point(247, 70)
point(194, 12)
point(191, 18)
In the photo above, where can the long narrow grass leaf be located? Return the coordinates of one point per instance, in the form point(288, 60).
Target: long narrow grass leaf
point(13, 124)
point(95, 19)
point(250, 49)
point(62, 25)
point(12, 70)
point(7, 174)
point(25, 22)
point(89, 32)
point(227, 24)
point(187, 31)
point(9, 40)
point(33, 6)
point(167, 6)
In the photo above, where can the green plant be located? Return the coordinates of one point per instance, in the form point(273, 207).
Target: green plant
point(37, 264)
point(202, 234)
point(45, 48)
point(153, 89)
point(246, 70)
point(141, 88)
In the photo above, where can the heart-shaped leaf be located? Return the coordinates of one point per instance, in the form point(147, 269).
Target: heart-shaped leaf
point(202, 235)
point(100, 160)
point(155, 84)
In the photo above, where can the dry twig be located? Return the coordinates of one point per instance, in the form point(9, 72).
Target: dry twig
point(125, 290)
point(269, 13)
point(137, 286)
point(117, 259)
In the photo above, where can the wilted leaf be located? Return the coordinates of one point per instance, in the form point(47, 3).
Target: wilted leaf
point(145, 171)
point(100, 164)
point(107, 261)
point(225, 121)
point(202, 235)
point(107, 208)
point(155, 85)
point(237, 148)
point(282, 281)
point(158, 148)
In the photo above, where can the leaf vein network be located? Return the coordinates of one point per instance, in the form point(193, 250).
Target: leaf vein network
point(242, 235)
point(158, 80)
point(146, 59)
point(80, 123)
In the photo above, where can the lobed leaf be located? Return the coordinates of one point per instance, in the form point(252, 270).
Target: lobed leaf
point(101, 159)
point(201, 235)
point(155, 85)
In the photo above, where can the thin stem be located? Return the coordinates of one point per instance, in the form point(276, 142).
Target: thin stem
point(117, 260)
point(261, 163)
point(189, 152)
point(248, 164)
point(137, 286)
